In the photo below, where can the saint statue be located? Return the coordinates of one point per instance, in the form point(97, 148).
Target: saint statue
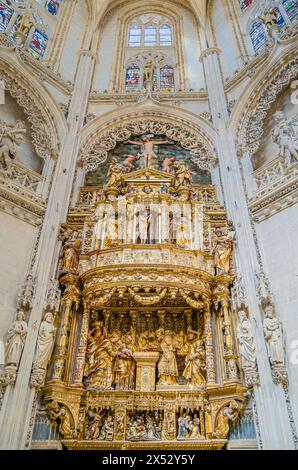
point(15, 340)
point(10, 137)
point(222, 251)
point(71, 250)
point(182, 176)
point(144, 225)
point(194, 360)
point(61, 413)
point(45, 342)
point(24, 24)
point(107, 430)
point(246, 342)
point(167, 366)
point(101, 373)
point(274, 337)
point(285, 135)
point(149, 69)
point(124, 368)
point(147, 150)
point(196, 424)
point(115, 175)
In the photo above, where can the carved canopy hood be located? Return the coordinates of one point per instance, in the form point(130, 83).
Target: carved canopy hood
point(95, 148)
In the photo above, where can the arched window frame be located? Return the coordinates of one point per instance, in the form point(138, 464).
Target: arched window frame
point(143, 27)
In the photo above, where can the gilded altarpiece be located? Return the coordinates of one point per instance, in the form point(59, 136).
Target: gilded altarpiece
point(146, 352)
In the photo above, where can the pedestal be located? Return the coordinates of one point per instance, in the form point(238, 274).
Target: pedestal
point(146, 370)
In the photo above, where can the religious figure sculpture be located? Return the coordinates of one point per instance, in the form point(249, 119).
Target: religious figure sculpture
point(45, 342)
point(129, 163)
point(60, 413)
point(70, 251)
point(149, 69)
point(24, 24)
point(147, 150)
point(101, 374)
point(168, 164)
point(15, 340)
point(196, 428)
point(95, 421)
point(269, 17)
point(144, 426)
point(167, 365)
point(182, 176)
point(107, 430)
point(285, 135)
point(10, 137)
point(182, 431)
point(227, 415)
point(124, 368)
point(222, 251)
point(144, 225)
point(194, 361)
point(274, 337)
point(115, 175)
point(246, 342)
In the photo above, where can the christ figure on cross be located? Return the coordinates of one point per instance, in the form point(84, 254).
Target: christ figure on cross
point(147, 147)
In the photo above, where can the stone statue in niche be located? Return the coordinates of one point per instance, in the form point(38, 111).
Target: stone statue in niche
point(10, 137)
point(44, 346)
point(15, 340)
point(285, 135)
point(223, 248)
point(189, 426)
point(147, 150)
point(274, 337)
point(246, 342)
point(149, 70)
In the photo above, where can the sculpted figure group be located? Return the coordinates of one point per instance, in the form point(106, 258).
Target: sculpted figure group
point(110, 360)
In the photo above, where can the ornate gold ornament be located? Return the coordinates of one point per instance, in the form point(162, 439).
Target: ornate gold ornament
point(144, 319)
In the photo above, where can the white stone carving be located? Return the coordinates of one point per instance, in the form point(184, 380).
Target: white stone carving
point(275, 345)
point(239, 294)
point(44, 349)
point(285, 135)
point(263, 287)
point(15, 340)
point(247, 349)
point(26, 295)
point(52, 302)
point(10, 137)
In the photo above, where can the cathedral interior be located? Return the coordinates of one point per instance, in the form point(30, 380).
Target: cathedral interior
point(148, 224)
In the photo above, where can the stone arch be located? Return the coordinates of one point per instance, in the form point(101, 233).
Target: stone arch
point(45, 118)
point(100, 139)
point(258, 99)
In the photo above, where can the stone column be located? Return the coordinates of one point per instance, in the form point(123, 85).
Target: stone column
point(16, 412)
point(272, 412)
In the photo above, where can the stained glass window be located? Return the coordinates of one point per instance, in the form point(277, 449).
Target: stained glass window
point(280, 18)
point(165, 36)
point(150, 36)
point(5, 16)
point(132, 79)
point(244, 4)
point(135, 35)
point(53, 6)
point(258, 35)
point(167, 80)
point(38, 44)
point(291, 7)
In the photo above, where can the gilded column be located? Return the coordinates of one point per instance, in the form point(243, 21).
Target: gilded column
point(81, 354)
point(210, 364)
